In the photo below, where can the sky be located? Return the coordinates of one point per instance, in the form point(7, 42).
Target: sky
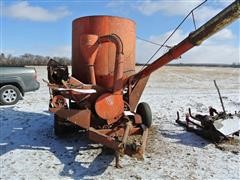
point(44, 27)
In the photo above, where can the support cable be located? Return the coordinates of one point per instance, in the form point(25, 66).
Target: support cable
point(163, 45)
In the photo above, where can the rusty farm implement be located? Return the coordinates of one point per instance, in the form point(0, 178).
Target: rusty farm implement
point(102, 94)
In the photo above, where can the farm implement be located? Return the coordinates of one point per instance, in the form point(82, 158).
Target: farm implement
point(102, 95)
point(214, 127)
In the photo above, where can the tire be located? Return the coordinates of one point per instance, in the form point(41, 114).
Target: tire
point(9, 95)
point(144, 110)
point(63, 127)
point(58, 126)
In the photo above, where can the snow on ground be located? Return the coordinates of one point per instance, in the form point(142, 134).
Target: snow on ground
point(29, 149)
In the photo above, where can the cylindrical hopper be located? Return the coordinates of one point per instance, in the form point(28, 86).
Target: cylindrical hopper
point(105, 60)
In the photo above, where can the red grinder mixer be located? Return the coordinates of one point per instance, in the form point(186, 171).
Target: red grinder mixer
point(102, 95)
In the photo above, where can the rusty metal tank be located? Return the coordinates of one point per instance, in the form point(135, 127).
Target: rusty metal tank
point(105, 59)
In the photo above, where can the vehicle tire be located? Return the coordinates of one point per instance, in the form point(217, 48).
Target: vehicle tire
point(58, 126)
point(144, 110)
point(9, 95)
point(63, 127)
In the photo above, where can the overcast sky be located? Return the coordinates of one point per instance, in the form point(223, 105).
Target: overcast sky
point(44, 27)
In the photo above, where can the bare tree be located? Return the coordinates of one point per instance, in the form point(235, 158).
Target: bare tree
point(30, 60)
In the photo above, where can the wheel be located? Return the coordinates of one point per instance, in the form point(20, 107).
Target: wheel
point(63, 127)
point(9, 95)
point(144, 110)
point(58, 126)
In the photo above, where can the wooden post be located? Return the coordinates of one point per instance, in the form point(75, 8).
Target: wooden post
point(215, 83)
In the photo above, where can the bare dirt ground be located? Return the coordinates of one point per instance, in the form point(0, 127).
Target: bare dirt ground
point(29, 149)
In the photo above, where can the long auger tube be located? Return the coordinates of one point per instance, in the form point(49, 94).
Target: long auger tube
point(195, 38)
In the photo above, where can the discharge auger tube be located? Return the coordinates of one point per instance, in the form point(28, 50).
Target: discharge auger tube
point(195, 38)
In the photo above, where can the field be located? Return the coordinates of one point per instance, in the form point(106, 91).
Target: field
point(29, 149)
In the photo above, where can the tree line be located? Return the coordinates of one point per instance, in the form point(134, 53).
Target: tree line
point(30, 60)
point(38, 60)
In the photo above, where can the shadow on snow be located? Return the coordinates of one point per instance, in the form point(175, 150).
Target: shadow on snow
point(34, 131)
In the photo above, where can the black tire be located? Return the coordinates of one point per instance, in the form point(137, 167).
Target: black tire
point(63, 127)
point(9, 95)
point(58, 126)
point(144, 110)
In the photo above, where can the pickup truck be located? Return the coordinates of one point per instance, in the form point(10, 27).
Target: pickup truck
point(15, 81)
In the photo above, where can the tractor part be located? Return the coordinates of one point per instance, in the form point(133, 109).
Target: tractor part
point(214, 128)
point(62, 127)
point(57, 72)
point(144, 110)
point(58, 101)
